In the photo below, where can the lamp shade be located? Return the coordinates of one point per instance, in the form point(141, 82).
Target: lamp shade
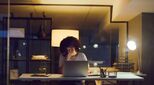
point(58, 35)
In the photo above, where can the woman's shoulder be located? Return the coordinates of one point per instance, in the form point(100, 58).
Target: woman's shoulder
point(80, 54)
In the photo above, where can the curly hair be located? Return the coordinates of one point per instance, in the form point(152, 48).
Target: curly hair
point(69, 42)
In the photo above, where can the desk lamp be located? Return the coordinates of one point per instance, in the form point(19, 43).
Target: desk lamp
point(132, 46)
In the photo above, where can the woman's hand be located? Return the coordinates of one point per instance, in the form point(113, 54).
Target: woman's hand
point(71, 53)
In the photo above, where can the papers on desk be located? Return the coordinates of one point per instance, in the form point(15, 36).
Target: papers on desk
point(94, 71)
point(128, 76)
point(94, 74)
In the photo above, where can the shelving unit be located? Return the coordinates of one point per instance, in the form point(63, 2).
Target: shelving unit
point(36, 41)
point(123, 65)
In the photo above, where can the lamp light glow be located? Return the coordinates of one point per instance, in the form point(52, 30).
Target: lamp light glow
point(84, 46)
point(131, 45)
point(59, 34)
point(95, 45)
point(95, 64)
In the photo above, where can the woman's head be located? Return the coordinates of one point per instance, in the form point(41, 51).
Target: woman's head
point(67, 43)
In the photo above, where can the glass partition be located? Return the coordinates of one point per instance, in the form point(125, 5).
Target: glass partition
point(30, 34)
point(4, 43)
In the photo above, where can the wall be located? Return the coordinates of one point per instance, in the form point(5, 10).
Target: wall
point(135, 34)
point(122, 40)
point(102, 53)
point(141, 29)
point(148, 47)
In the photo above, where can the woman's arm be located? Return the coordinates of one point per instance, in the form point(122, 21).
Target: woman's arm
point(61, 62)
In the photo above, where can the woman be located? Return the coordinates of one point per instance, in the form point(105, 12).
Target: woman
point(69, 48)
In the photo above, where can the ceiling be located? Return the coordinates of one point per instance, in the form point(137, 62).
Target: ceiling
point(125, 10)
point(74, 17)
point(109, 2)
point(79, 14)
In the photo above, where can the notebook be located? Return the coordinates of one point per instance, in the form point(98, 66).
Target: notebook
point(75, 69)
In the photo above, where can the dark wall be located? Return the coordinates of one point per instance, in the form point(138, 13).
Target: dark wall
point(148, 47)
point(107, 48)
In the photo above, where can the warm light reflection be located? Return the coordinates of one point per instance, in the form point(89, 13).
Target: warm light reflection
point(107, 2)
point(59, 34)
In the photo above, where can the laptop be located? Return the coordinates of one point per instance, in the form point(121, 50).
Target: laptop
point(75, 69)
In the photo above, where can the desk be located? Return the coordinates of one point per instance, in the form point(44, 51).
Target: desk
point(121, 76)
